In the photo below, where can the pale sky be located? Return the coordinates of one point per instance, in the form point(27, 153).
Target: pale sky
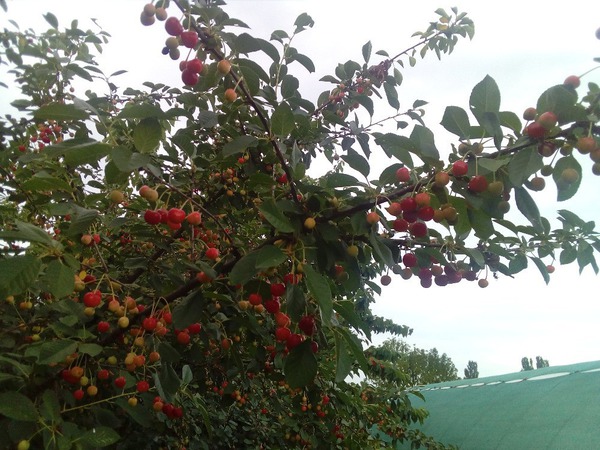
point(524, 46)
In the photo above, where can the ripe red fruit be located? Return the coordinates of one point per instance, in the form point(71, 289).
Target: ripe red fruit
point(373, 218)
point(385, 280)
point(212, 253)
point(194, 218)
point(277, 289)
point(408, 204)
point(307, 325)
point(293, 340)
point(183, 338)
point(426, 213)
point(173, 26)
point(573, 81)
point(403, 175)
point(143, 386)
point(394, 209)
point(478, 184)
point(189, 38)
point(548, 120)
point(535, 130)
point(272, 306)
point(195, 65)
point(400, 225)
point(291, 278)
point(281, 319)
point(103, 327)
point(189, 78)
point(255, 299)
point(409, 260)
point(418, 229)
point(282, 334)
point(460, 168)
point(78, 394)
point(103, 374)
point(423, 199)
point(194, 328)
point(152, 217)
point(176, 215)
point(92, 299)
point(149, 323)
point(120, 382)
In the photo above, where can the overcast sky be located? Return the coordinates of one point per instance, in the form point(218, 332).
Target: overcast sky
point(524, 46)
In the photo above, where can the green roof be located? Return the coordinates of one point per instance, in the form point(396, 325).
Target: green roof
point(550, 408)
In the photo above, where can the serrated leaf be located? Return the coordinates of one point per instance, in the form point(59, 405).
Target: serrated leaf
point(542, 268)
point(27, 232)
point(392, 95)
point(424, 141)
point(147, 135)
point(485, 97)
point(90, 348)
point(300, 368)
point(168, 353)
point(319, 288)
point(456, 121)
point(50, 407)
point(127, 161)
point(528, 208)
point(141, 111)
point(18, 407)
point(295, 302)
point(56, 351)
point(245, 269)
point(382, 252)
point(51, 19)
point(169, 381)
point(275, 216)
point(566, 191)
point(357, 162)
point(18, 273)
point(366, 51)
point(305, 61)
point(81, 220)
point(45, 182)
point(60, 112)
point(335, 180)
point(559, 99)
point(99, 437)
point(270, 256)
point(190, 310)
point(282, 120)
point(59, 279)
point(522, 165)
point(239, 145)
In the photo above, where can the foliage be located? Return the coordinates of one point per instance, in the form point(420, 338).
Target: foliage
point(170, 274)
point(527, 363)
point(471, 371)
point(411, 365)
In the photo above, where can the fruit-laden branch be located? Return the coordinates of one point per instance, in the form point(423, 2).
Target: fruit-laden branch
point(205, 38)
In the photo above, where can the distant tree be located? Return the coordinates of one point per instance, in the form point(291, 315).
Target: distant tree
point(541, 362)
point(471, 370)
point(418, 365)
point(526, 363)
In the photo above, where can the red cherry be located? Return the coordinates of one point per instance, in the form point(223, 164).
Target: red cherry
point(403, 175)
point(478, 184)
point(176, 215)
point(212, 253)
point(293, 341)
point(120, 382)
point(400, 225)
point(418, 229)
point(255, 299)
point(189, 38)
point(143, 386)
point(194, 218)
point(78, 394)
point(314, 346)
point(194, 328)
point(189, 77)
point(272, 306)
point(183, 338)
point(548, 120)
point(426, 213)
point(149, 323)
point(535, 130)
point(409, 260)
point(573, 81)
point(307, 325)
point(408, 204)
point(460, 168)
point(282, 333)
point(152, 217)
point(92, 299)
point(173, 26)
point(277, 289)
point(103, 374)
point(103, 327)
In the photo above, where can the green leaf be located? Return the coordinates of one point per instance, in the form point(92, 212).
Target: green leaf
point(147, 135)
point(17, 274)
point(523, 164)
point(456, 121)
point(190, 310)
point(186, 374)
point(239, 145)
point(270, 256)
point(566, 191)
point(18, 407)
point(56, 351)
point(60, 112)
point(141, 111)
point(424, 141)
point(397, 146)
point(528, 208)
point(99, 437)
point(305, 61)
point(355, 347)
point(289, 86)
point(168, 353)
point(303, 21)
point(366, 51)
point(343, 359)
point(559, 99)
point(90, 349)
point(382, 252)
point(335, 180)
point(295, 302)
point(169, 381)
point(60, 279)
point(50, 408)
point(127, 161)
point(392, 95)
point(481, 223)
point(81, 220)
point(27, 232)
point(542, 268)
point(491, 124)
point(51, 19)
point(245, 269)
point(275, 216)
point(282, 120)
point(319, 288)
point(485, 97)
point(90, 152)
point(43, 182)
point(510, 120)
point(301, 366)
point(357, 162)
